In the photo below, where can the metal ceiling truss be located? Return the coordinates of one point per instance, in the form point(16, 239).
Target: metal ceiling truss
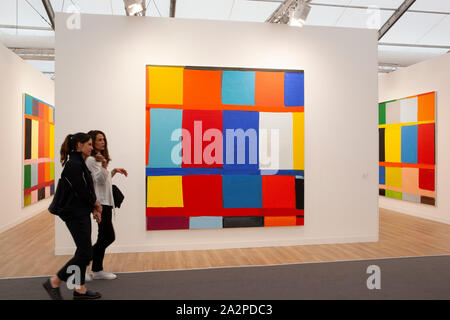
point(281, 14)
point(345, 6)
point(35, 53)
point(50, 13)
point(394, 18)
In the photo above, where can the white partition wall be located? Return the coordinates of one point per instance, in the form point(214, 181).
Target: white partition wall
point(16, 78)
point(100, 68)
point(427, 76)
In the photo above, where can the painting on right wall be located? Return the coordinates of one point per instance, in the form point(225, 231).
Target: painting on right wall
point(407, 160)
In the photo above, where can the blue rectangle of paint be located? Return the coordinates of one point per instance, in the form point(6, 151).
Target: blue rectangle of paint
point(382, 174)
point(28, 105)
point(242, 191)
point(164, 125)
point(205, 223)
point(238, 88)
point(409, 144)
point(241, 140)
point(294, 89)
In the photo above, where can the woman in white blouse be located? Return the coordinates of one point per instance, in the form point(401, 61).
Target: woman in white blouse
point(98, 165)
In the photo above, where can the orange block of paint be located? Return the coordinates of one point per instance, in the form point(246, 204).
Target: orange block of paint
point(269, 89)
point(426, 107)
point(202, 88)
point(280, 221)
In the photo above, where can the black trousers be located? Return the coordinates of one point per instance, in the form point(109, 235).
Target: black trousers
point(80, 228)
point(106, 236)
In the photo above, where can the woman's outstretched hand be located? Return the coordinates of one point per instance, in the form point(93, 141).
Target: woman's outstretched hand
point(119, 170)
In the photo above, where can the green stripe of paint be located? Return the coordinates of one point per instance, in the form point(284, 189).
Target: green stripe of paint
point(394, 194)
point(27, 177)
point(382, 113)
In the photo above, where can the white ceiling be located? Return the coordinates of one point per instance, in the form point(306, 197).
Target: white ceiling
point(413, 28)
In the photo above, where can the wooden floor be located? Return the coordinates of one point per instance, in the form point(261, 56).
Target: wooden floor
point(28, 249)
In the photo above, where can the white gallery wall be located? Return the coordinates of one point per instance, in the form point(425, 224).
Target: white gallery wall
point(427, 76)
point(16, 78)
point(100, 67)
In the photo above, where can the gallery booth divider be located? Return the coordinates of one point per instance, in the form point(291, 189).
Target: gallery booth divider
point(19, 78)
point(424, 77)
point(101, 68)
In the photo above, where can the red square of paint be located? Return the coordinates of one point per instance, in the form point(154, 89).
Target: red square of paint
point(202, 88)
point(202, 139)
point(278, 191)
point(203, 192)
point(426, 179)
point(41, 172)
point(425, 143)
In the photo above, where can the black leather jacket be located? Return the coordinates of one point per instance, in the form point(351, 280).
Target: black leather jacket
point(79, 176)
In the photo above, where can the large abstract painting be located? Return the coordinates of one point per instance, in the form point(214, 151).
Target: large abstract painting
point(224, 147)
point(39, 150)
point(407, 148)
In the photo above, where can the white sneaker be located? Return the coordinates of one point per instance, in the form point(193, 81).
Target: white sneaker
point(88, 277)
point(103, 275)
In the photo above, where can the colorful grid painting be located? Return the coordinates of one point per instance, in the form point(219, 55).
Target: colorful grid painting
point(224, 148)
point(39, 150)
point(407, 148)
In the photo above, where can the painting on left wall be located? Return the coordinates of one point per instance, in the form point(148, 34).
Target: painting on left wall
point(38, 150)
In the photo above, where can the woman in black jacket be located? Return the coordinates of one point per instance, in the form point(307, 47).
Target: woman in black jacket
point(74, 151)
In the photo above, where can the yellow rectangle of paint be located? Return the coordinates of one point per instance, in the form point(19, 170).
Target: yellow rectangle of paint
point(51, 141)
point(165, 85)
point(47, 171)
point(52, 171)
point(164, 191)
point(393, 144)
point(299, 140)
point(394, 177)
point(34, 139)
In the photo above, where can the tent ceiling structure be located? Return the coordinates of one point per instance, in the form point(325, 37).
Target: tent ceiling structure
point(419, 34)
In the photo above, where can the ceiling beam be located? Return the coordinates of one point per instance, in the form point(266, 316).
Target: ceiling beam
point(173, 5)
point(426, 46)
point(50, 13)
point(35, 53)
point(9, 26)
point(345, 6)
point(394, 18)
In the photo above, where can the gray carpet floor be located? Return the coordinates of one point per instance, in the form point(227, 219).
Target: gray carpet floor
point(401, 278)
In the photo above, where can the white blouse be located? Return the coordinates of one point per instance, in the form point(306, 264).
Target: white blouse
point(102, 181)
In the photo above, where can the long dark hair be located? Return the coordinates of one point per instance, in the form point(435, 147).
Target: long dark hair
point(70, 144)
point(105, 152)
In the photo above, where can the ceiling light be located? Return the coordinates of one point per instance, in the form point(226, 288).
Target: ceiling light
point(134, 7)
point(297, 16)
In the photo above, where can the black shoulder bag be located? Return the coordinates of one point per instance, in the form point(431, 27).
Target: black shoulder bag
point(63, 198)
point(117, 195)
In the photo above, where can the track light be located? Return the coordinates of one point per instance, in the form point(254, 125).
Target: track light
point(298, 15)
point(134, 7)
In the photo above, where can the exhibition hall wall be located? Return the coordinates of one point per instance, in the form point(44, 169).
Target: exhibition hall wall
point(101, 68)
point(17, 78)
point(427, 76)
